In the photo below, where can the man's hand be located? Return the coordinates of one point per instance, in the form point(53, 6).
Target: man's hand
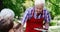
point(46, 26)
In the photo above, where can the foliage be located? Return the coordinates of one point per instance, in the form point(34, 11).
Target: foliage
point(53, 23)
point(54, 7)
point(18, 6)
point(14, 5)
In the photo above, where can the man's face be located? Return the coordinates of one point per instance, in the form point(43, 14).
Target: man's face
point(38, 8)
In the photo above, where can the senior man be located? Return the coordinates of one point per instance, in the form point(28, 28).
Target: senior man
point(35, 16)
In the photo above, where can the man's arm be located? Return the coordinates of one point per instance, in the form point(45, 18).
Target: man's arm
point(47, 20)
point(25, 17)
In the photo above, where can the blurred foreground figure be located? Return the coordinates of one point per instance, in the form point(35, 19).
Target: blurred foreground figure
point(35, 16)
point(6, 21)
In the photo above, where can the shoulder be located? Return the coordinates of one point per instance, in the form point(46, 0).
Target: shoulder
point(45, 11)
point(29, 10)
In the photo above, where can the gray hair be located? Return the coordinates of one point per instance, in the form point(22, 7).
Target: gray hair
point(7, 13)
point(39, 2)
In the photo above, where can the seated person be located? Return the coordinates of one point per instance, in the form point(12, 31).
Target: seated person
point(6, 21)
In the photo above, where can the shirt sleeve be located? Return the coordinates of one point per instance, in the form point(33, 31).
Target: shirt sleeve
point(47, 16)
point(26, 15)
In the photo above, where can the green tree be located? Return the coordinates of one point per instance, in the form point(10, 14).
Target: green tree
point(18, 6)
point(53, 7)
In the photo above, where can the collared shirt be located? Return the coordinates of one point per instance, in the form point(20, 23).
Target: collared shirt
point(28, 15)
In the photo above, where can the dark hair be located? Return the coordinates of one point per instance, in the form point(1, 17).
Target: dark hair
point(5, 26)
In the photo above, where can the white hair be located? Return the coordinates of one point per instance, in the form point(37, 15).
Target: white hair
point(7, 13)
point(39, 2)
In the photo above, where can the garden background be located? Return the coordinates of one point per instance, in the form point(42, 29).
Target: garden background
point(19, 7)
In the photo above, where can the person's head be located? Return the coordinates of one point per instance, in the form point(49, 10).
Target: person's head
point(39, 5)
point(6, 16)
point(7, 13)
